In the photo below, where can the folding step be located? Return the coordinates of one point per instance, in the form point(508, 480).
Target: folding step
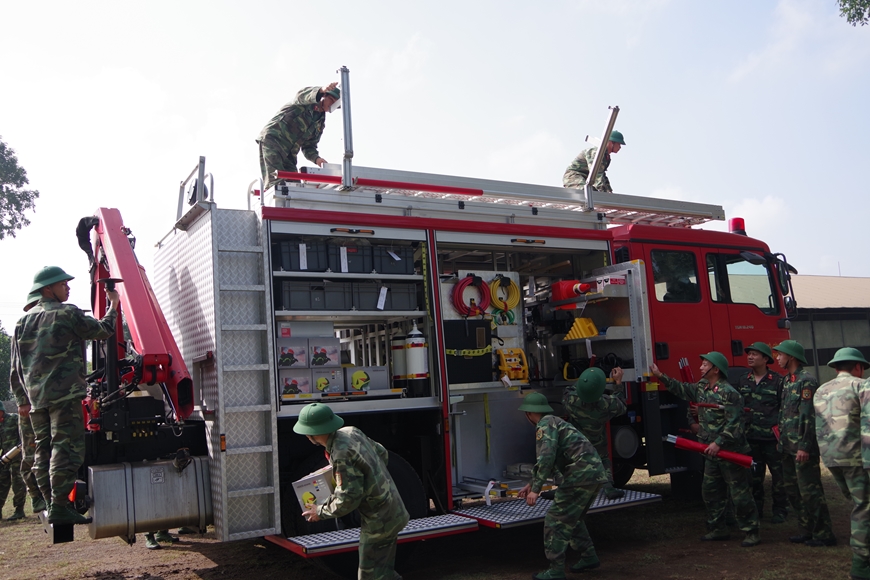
point(348, 540)
point(515, 512)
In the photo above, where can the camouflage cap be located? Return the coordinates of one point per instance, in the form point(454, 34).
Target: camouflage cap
point(849, 354)
point(590, 385)
point(48, 276)
point(536, 403)
point(792, 348)
point(317, 419)
point(718, 360)
point(760, 347)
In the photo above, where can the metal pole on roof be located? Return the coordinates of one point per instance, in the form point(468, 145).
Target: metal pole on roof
point(599, 158)
point(346, 166)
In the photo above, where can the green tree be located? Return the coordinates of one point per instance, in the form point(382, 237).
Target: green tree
point(855, 11)
point(14, 199)
point(5, 364)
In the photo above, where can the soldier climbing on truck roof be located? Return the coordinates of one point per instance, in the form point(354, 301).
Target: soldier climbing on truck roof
point(578, 172)
point(298, 125)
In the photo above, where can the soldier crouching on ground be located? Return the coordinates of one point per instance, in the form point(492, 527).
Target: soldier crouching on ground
point(800, 450)
point(761, 390)
point(721, 429)
point(362, 482)
point(590, 408)
point(842, 420)
point(561, 448)
point(50, 385)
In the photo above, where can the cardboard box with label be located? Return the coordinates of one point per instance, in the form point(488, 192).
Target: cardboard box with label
point(314, 488)
point(366, 378)
point(324, 352)
point(328, 380)
point(292, 353)
point(295, 384)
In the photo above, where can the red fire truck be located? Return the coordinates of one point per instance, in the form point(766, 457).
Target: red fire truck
point(422, 308)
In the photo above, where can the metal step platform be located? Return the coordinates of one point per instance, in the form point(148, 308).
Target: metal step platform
point(513, 513)
point(348, 540)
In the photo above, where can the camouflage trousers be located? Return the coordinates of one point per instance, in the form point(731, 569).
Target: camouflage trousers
point(10, 476)
point(28, 452)
point(723, 480)
point(768, 458)
point(604, 454)
point(803, 485)
point(377, 549)
point(276, 156)
point(854, 482)
point(565, 525)
point(60, 448)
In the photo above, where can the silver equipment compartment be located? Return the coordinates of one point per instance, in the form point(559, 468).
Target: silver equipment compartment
point(130, 498)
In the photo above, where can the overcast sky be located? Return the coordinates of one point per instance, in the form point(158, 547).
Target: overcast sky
point(758, 106)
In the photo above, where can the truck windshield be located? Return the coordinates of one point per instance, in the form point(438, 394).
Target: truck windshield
point(734, 280)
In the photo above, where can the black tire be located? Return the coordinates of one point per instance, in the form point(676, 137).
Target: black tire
point(622, 472)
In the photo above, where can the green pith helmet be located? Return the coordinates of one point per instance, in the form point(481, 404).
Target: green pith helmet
point(718, 360)
point(48, 276)
point(590, 385)
point(792, 348)
point(849, 354)
point(317, 419)
point(334, 93)
point(617, 137)
point(32, 299)
point(760, 347)
point(536, 403)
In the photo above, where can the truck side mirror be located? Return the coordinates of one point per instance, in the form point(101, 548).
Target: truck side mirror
point(790, 307)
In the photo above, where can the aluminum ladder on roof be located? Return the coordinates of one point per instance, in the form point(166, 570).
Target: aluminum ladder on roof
point(618, 208)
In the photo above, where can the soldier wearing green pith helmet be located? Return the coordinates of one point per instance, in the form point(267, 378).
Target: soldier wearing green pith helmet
point(362, 482)
point(800, 450)
point(842, 420)
point(590, 408)
point(298, 125)
point(49, 384)
point(722, 428)
point(562, 449)
point(577, 173)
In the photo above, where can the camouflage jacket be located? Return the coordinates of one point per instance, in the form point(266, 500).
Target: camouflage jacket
point(9, 436)
point(591, 418)
point(298, 125)
point(842, 420)
point(561, 448)
point(763, 399)
point(363, 482)
point(578, 172)
point(47, 352)
point(724, 427)
point(797, 423)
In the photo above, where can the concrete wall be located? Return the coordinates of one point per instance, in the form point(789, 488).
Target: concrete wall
point(823, 331)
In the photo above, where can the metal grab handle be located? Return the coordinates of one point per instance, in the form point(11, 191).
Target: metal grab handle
point(199, 171)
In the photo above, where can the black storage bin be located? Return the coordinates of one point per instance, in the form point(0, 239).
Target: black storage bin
point(385, 264)
point(472, 335)
point(299, 296)
point(366, 294)
point(337, 295)
point(401, 296)
point(315, 255)
point(359, 258)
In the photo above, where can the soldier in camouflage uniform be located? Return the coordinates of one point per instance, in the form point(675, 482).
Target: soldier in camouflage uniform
point(362, 482)
point(577, 173)
point(800, 450)
point(10, 474)
point(298, 125)
point(590, 408)
point(50, 385)
point(761, 390)
point(842, 420)
point(562, 449)
point(25, 431)
point(721, 429)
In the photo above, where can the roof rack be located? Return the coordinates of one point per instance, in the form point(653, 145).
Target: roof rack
point(617, 208)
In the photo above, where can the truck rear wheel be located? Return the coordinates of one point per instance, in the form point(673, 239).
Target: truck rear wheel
point(622, 472)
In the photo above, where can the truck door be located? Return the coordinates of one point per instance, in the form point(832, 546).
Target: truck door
point(744, 303)
point(679, 311)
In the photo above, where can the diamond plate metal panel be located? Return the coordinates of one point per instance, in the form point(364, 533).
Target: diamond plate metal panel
point(237, 228)
point(239, 268)
point(245, 514)
point(244, 347)
point(248, 471)
point(252, 388)
point(247, 429)
point(242, 308)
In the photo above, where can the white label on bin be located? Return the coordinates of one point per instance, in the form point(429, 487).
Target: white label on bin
point(394, 256)
point(382, 297)
point(343, 259)
point(303, 257)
